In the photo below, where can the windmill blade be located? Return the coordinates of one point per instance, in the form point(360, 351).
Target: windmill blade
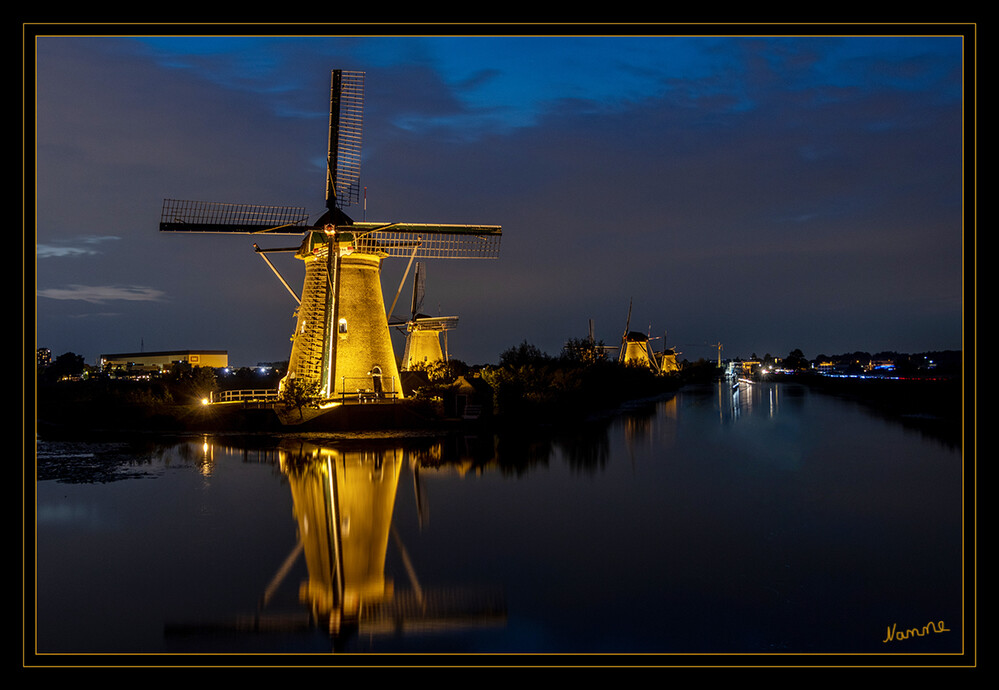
point(431, 241)
point(213, 216)
point(624, 336)
point(419, 281)
point(343, 161)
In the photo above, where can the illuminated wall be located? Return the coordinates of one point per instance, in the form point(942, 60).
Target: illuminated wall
point(636, 353)
point(364, 355)
point(423, 347)
point(669, 363)
point(215, 359)
point(359, 340)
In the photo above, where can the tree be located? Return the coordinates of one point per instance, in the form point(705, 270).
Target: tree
point(189, 383)
point(796, 360)
point(299, 394)
point(582, 351)
point(66, 365)
point(442, 372)
point(523, 355)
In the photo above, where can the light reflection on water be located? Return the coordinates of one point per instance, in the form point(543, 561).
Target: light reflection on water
point(762, 519)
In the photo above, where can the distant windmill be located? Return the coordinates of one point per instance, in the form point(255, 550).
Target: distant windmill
point(424, 333)
point(597, 350)
point(635, 347)
point(341, 343)
point(667, 362)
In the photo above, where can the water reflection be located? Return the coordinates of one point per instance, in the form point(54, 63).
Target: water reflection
point(343, 502)
point(744, 397)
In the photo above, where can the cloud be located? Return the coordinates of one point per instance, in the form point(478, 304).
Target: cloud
point(96, 315)
point(49, 251)
point(98, 294)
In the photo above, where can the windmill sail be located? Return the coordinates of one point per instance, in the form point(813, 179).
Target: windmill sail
point(343, 160)
point(624, 336)
point(419, 287)
point(212, 216)
point(430, 241)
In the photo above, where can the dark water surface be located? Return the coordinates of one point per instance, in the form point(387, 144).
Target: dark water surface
point(772, 521)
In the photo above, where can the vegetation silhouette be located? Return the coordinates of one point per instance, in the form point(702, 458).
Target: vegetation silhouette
point(526, 388)
point(530, 385)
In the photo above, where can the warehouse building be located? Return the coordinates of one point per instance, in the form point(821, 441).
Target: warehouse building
point(154, 362)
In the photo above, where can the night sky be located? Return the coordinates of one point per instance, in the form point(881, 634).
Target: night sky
point(768, 193)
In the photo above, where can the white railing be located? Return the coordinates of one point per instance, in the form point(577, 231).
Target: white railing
point(245, 395)
point(362, 392)
point(363, 389)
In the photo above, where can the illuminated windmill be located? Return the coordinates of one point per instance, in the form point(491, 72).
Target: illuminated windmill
point(635, 347)
point(424, 334)
point(667, 361)
point(341, 346)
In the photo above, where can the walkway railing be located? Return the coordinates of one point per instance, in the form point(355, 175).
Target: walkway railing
point(270, 395)
point(363, 389)
point(245, 395)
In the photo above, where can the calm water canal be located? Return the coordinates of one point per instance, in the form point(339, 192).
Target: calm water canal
point(772, 520)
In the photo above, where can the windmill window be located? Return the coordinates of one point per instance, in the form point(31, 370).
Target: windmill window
point(342, 326)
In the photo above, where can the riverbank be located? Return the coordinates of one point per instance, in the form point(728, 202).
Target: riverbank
point(936, 406)
point(74, 418)
point(539, 395)
point(403, 416)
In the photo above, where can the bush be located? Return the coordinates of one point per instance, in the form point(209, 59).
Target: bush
point(530, 384)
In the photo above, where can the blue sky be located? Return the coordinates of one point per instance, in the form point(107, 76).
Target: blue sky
point(768, 193)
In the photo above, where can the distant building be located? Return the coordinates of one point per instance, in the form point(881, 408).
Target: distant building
point(473, 397)
point(44, 357)
point(738, 368)
point(151, 362)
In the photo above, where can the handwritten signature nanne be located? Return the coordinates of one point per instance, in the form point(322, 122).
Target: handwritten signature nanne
point(930, 627)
